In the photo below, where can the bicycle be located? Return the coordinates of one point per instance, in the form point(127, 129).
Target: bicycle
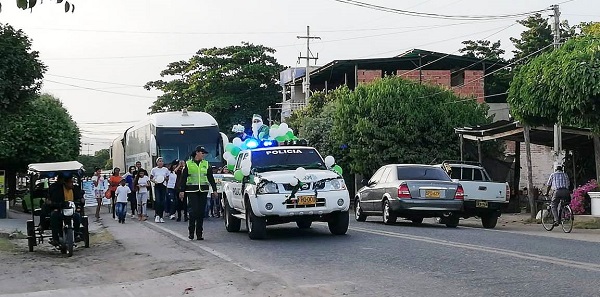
point(565, 216)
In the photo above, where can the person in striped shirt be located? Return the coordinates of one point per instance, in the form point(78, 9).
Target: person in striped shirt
point(559, 183)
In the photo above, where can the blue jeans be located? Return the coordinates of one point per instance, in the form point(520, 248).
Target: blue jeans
point(160, 195)
point(121, 210)
point(171, 201)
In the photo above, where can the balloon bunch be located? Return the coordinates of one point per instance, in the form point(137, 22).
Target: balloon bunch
point(281, 133)
point(330, 163)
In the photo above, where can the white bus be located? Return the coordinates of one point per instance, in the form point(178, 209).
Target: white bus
point(170, 135)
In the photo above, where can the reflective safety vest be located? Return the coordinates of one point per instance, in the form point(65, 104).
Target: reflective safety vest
point(197, 178)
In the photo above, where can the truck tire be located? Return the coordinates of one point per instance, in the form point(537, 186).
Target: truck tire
point(257, 227)
point(338, 223)
point(489, 221)
point(232, 224)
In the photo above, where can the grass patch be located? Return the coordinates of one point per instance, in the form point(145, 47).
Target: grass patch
point(6, 245)
point(587, 224)
point(102, 236)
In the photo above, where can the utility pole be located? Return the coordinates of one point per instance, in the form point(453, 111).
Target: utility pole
point(308, 57)
point(558, 157)
point(270, 118)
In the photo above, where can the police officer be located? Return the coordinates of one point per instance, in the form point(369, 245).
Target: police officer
point(196, 180)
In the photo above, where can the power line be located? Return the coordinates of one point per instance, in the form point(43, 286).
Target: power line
point(99, 90)
point(436, 15)
point(97, 81)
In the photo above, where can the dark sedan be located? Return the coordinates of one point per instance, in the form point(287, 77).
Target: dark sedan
point(413, 192)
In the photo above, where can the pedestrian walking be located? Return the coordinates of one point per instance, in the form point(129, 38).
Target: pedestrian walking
point(98, 182)
point(181, 201)
point(113, 183)
point(159, 175)
point(131, 197)
point(195, 183)
point(170, 205)
point(142, 183)
point(122, 192)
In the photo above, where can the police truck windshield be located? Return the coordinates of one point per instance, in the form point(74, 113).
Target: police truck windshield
point(283, 158)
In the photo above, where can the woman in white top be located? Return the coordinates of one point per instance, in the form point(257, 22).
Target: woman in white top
point(170, 205)
point(98, 190)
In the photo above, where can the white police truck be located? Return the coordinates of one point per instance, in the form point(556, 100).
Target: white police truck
point(285, 184)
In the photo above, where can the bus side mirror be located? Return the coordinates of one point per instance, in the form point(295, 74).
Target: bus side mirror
point(153, 149)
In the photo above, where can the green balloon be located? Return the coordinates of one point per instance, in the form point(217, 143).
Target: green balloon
point(229, 147)
point(295, 138)
point(238, 175)
point(261, 135)
point(281, 138)
point(235, 151)
point(230, 167)
point(289, 134)
point(274, 127)
point(338, 169)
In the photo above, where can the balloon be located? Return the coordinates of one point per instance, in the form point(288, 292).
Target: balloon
point(231, 161)
point(274, 127)
point(246, 163)
point(300, 173)
point(238, 175)
point(273, 133)
point(338, 169)
point(329, 161)
point(235, 151)
point(280, 138)
point(229, 147)
point(230, 167)
point(261, 135)
point(284, 126)
point(237, 141)
point(293, 182)
point(227, 156)
point(246, 170)
point(289, 135)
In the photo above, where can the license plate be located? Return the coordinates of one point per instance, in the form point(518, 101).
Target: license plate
point(432, 194)
point(481, 204)
point(307, 200)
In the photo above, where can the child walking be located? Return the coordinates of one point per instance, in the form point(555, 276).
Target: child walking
point(121, 206)
point(142, 183)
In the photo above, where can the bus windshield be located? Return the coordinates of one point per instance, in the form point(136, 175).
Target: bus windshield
point(178, 143)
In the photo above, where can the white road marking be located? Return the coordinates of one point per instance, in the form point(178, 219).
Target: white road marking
point(504, 252)
point(205, 248)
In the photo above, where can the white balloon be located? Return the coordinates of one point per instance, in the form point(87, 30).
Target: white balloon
point(300, 173)
point(227, 156)
point(293, 182)
point(246, 170)
point(329, 161)
point(284, 127)
point(246, 163)
point(273, 133)
point(230, 161)
point(237, 141)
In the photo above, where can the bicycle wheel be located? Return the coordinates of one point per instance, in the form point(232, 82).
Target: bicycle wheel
point(567, 218)
point(547, 218)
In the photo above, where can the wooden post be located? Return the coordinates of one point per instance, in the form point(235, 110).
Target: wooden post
point(529, 174)
point(597, 154)
point(479, 151)
point(517, 172)
point(462, 143)
point(574, 169)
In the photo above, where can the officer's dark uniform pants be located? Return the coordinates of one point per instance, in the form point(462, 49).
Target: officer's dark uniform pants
point(197, 205)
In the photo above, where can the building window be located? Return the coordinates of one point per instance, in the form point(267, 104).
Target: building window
point(457, 79)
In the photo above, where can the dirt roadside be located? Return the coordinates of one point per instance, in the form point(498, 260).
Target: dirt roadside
point(134, 259)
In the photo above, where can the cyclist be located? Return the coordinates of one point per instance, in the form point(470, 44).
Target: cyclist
point(559, 182)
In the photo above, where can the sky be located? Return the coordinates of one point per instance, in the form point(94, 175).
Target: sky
point(100, 56)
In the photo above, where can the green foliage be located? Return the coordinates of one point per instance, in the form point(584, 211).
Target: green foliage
point(42, 131)
point(29, 4)
point(99, 160)
point(230, 83)
point(20, 70)
point(562, 84)
point(398, 121)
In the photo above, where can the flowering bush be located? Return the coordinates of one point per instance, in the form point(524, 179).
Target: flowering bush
point(578, 198)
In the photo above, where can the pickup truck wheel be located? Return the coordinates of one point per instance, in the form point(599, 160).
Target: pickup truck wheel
point(388, 217)
point(232, 224)
point(358, 214)
point(489, 221)
point(257, 227)
point(452, 221)
point(417, 221)
point(338, 223)
point(303, 224)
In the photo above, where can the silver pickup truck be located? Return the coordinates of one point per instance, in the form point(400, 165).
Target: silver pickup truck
point(483, 197)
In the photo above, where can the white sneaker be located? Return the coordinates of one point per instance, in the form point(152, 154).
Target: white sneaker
point(172, 217)
point(161, 220)
point(157, 219)
point(116, 219)
point(133, 216)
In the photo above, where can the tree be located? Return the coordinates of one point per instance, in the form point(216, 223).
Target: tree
point(42, 131)
point(98, 160)
point(497, 84)
point(230, 83)
point(29, 4)
point(393, 120)
point(20, 70)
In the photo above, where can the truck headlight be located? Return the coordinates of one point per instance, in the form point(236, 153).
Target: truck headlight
point(338, 184)
point(269, 188)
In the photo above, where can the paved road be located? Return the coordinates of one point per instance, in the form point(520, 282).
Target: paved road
point(406, 260)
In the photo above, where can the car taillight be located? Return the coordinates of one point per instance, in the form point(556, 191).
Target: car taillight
point(507, 192)
point(460, 193)
point(403, 192)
